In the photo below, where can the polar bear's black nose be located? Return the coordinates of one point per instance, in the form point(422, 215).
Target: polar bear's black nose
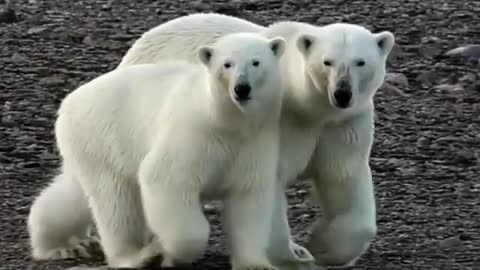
point(343, 94)
point(242, 91)
point(343, 97)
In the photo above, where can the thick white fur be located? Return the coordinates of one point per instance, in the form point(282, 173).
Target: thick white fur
point(318, 140)
point(170, 135)
point(59, 218)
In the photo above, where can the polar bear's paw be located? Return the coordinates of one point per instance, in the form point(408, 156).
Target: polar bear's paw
point(300, 254)
point(137, 258)
point(293, 253)
point(71, 252)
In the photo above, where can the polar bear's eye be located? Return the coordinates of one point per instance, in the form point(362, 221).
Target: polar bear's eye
point(227, 65)
point(360, 63)
point(255, 63)
point(327, 63)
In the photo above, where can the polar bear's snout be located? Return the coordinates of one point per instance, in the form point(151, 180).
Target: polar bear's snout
point(242, 92)
point(343, 94)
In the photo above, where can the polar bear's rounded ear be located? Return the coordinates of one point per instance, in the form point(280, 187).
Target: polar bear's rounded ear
point(205, 54)
point(385, 41)
point(305, 43)
point(277, 45)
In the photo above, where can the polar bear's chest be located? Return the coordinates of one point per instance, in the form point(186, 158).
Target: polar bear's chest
point(296, 150)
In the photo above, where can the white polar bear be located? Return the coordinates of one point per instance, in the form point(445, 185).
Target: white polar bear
point(320, 139)
point(331, 74)
point(149, 142)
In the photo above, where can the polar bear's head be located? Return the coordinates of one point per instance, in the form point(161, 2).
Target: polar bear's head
point(346, 61)
point(244, 68)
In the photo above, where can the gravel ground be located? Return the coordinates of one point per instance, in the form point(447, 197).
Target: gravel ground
point(426, 157)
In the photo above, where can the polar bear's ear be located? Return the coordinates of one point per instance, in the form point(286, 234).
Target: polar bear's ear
point(278, 45)
point(385, 41)
point(205, 55)
point(305, 43)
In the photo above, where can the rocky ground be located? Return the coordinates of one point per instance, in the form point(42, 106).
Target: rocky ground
point(426, 158)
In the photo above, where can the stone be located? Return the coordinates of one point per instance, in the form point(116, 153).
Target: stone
point(428, 77)
point(398, 79)
point(16, 57)
point(88, 40)
point(8, 15)
point(423, 142)
point(392, 90)
point(449, 87)
point(469, 51)
point(395, 54)
point(36, 30)
point(450, 242)
point(48, 155)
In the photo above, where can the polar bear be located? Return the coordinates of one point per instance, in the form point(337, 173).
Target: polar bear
point(147, 143)
point(331, 75)
point(325, 134)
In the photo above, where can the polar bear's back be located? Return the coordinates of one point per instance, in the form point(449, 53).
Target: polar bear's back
point(181, 37)
point(289, 29)
point(120, 113)
point(116, 91)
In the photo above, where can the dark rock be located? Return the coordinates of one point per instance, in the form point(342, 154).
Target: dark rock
point(88, 40)
point(231, 10)
point(429, 77)
point(423, 142)
point(16, 57)
point(468, 78)
point(450, 242)
point(8, 15)
point(395, 54)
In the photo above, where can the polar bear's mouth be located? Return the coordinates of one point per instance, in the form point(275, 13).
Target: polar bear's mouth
point(242, 100)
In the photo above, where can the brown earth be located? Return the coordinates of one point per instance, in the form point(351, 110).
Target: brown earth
point(426, 157)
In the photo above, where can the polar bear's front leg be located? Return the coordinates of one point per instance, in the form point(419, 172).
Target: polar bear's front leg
point(349, 224)
point(170, 194)
point(117, 210)
point(346, 195)
point(282, 247)
point(249, 206)
point(248, 222)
